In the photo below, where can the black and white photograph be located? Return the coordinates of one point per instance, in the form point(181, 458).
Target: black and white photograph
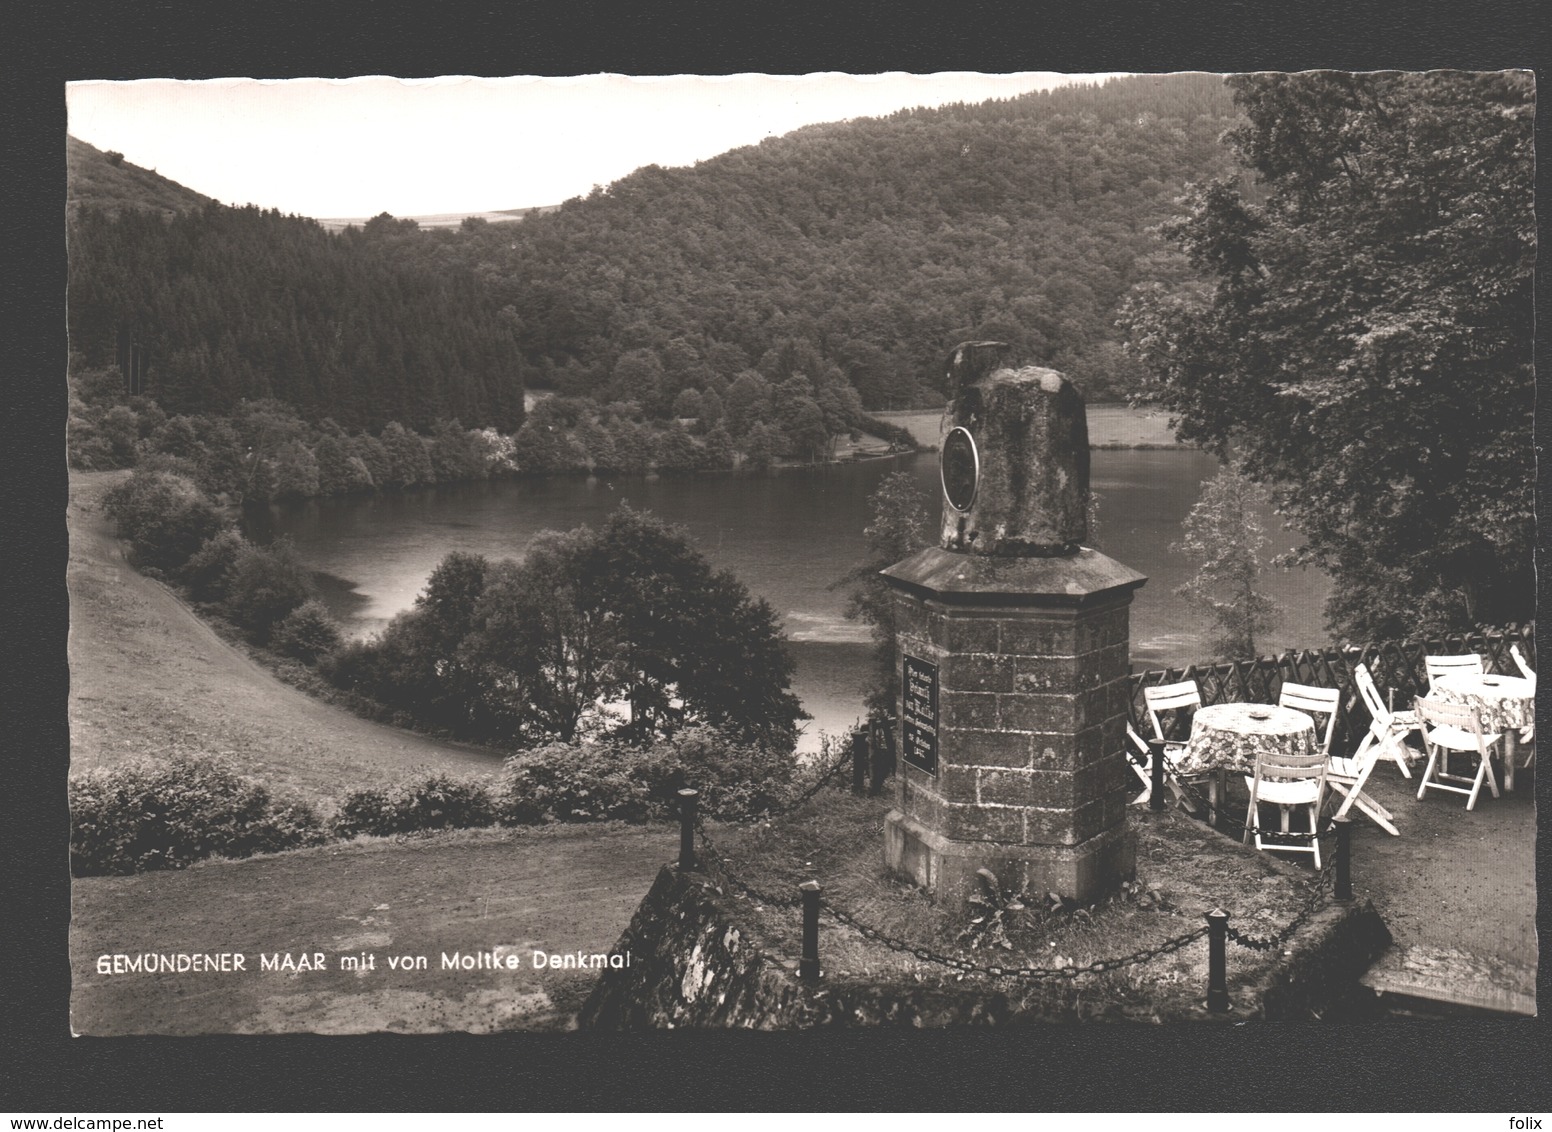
point(791, 551)
point(909, 551)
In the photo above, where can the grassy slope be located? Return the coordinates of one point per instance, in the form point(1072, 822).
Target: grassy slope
point(148, 677)
point(125, 185)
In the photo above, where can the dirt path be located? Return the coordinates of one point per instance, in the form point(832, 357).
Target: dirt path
point(149, 677)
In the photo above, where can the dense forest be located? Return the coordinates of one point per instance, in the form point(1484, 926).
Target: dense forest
point(850, 255)
point(869, 246)
point(233, 304)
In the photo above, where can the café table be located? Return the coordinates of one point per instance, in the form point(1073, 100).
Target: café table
point(1227, 738)
point(1504, 703)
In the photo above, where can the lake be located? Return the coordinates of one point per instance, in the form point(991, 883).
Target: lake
point(788, 536)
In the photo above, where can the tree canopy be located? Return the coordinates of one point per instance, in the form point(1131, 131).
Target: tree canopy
point(626, 630)
point(1364, 342)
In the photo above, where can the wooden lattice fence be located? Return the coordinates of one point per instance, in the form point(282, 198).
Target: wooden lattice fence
point(1397, 668)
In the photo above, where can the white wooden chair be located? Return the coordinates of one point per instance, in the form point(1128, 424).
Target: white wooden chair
point(1444, 665)
point(1144, 771)
point(1387, 729)
point(1181, 698)
point(1287, 781)
point(1438, 666)
point(1455, 727)
point(1313, 702)
point(1346, 775)
point(1519, 662)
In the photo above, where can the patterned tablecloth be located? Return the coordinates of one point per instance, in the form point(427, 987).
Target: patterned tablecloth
point(1502, 701)
point(1229, 736)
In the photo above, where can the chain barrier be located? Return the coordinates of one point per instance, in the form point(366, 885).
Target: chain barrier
point(713, 854)
point(998, 971)
point(926, 954)
point(1316, 900)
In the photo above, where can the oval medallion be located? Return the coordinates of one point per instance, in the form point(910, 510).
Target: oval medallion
point(960, 465)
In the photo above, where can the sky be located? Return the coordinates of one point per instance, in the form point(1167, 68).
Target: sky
point(336, 148)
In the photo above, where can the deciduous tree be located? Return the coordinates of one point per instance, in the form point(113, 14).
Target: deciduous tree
point(1365, 344)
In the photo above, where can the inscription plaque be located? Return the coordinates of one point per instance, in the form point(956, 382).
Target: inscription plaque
point(919, 715)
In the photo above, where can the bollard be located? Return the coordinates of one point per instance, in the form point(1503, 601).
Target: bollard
point(859, 760)
point(1156, 768)
point(687, 800)
point(808, 966)
point(1217, 961)
point(1344, 858)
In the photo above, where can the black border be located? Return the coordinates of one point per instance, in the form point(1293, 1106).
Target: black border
point(1472, 1066)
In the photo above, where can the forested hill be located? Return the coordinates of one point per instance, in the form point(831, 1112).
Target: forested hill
point(233, 304)
point(869, 245)
point(847, 255)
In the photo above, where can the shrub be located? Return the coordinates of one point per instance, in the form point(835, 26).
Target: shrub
point(306, 633)
point(263, 586)
point(165, 517)
point(613, 780)
point(572, 782)
point(206, 574)
point(735, 779)
point(436, 801)
point(168, 813)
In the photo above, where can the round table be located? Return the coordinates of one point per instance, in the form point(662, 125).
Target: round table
point(1228, 737)
point(1504, 703)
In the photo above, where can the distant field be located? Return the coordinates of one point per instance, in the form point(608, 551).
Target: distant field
point(441, 219)
point(1110, 426)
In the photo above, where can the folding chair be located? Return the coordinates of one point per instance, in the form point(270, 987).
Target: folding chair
point(1312, 702)
point(1345, 775)
point(1387, 728)
point(1438, 666)
point(1181, 698)
point(1285, 781)
point(1144, 771)
point(1519, 662)
point(1455, 727)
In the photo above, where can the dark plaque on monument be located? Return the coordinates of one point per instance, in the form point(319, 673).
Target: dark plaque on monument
point(919, 727)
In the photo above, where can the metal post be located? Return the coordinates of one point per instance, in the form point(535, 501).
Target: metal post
point(1156, 760)
point(808, 966)
point(1344, 858)
point(859, 760)
point(1217, 961)
point(687, 801)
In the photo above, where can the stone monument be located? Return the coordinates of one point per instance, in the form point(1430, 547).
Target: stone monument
point(1014, 654)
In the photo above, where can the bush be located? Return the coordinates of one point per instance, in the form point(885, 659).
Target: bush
point(306, 633)
point(436, 801)
point(576, 782)
point(165, 517)
point(206, 574)
point(263, 586)
point(735, 779)
point(166, 814)
point(613, 780)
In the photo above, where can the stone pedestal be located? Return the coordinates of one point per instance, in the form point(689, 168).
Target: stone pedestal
point(1019, 698)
